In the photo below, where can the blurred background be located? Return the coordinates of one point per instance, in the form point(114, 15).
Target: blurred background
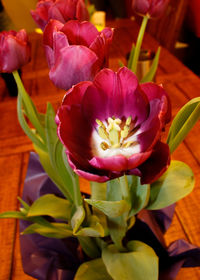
point(178, 30)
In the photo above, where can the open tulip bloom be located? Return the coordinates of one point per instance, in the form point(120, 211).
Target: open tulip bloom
point(107, 130)
point(112, 126)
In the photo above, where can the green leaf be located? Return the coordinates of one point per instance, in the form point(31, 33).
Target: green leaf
point(54, 230)
point(139, 195)
point(152, 71)
point(51, 132)
point(176, 183)
point(98, 191)
point(50, 205)
point(50, 170)
point(140, 261)
point(65, 171)
point(13, 215)
point(89, 246)
point(25, 205)
point(78, 218)
point(121, 64)
point(183, 123)
point(110, 208)
point(33, 137)
point(130, 60)
point(117, 226)
point(92, 270)
point(94, 229)
point(29, 106)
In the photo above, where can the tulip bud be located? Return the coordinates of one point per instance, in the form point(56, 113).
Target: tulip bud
point(14, 50)
point(150, 8)
point(62, 10)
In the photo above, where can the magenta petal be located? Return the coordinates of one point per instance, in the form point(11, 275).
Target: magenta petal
point(115, 163)
point(68, 72)
point(75, 94)
point(40, 14)
point(15, 50)
point(86, 174)
point(156, 164)
point(137, 159)
point(115, 94)
point(154, 91)
point(80, 33)
point(51, 27)
point(55, 13)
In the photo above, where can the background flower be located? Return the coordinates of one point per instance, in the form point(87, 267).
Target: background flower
point(75, 51)
point(15, 50)
point(112, 127)
point(151, 8)
point(62, 10)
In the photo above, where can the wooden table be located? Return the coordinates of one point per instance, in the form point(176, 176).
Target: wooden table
point(181, 85)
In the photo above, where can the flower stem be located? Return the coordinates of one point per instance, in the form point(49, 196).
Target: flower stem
point(124, 188)
point(138, 44)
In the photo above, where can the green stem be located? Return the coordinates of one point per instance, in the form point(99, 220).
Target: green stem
point(138, 44)
point(124, 188)
point(32, 114)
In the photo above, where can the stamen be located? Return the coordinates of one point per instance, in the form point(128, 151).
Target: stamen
point(116, 132)
point(130, 143)
point(104, 146)
point(103, 133)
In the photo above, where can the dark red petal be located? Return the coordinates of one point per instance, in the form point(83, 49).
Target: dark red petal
point(156, 164)
point(115, 94)
point(74, 132)
point(154, 91)
point(81, 11)
point(150, 130)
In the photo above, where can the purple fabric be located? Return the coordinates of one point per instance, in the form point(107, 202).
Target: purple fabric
point(52, 259)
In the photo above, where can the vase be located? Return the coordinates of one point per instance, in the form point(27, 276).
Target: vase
point(144, 64)
point(58, 259)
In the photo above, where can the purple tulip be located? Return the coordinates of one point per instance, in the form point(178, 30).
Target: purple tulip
point(151, 8)
point(112, 126)
point(75, 51)
point(14, 50)
point(62, 10)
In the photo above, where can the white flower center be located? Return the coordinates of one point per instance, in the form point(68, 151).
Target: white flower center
point(115, 137)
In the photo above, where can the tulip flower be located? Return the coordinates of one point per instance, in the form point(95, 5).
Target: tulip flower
point(112, 126)
point(75, 51)
point(62, 10)
point(150, 8)
point(14, 50)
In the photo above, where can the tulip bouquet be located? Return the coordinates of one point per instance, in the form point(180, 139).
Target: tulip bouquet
point(107, 130)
